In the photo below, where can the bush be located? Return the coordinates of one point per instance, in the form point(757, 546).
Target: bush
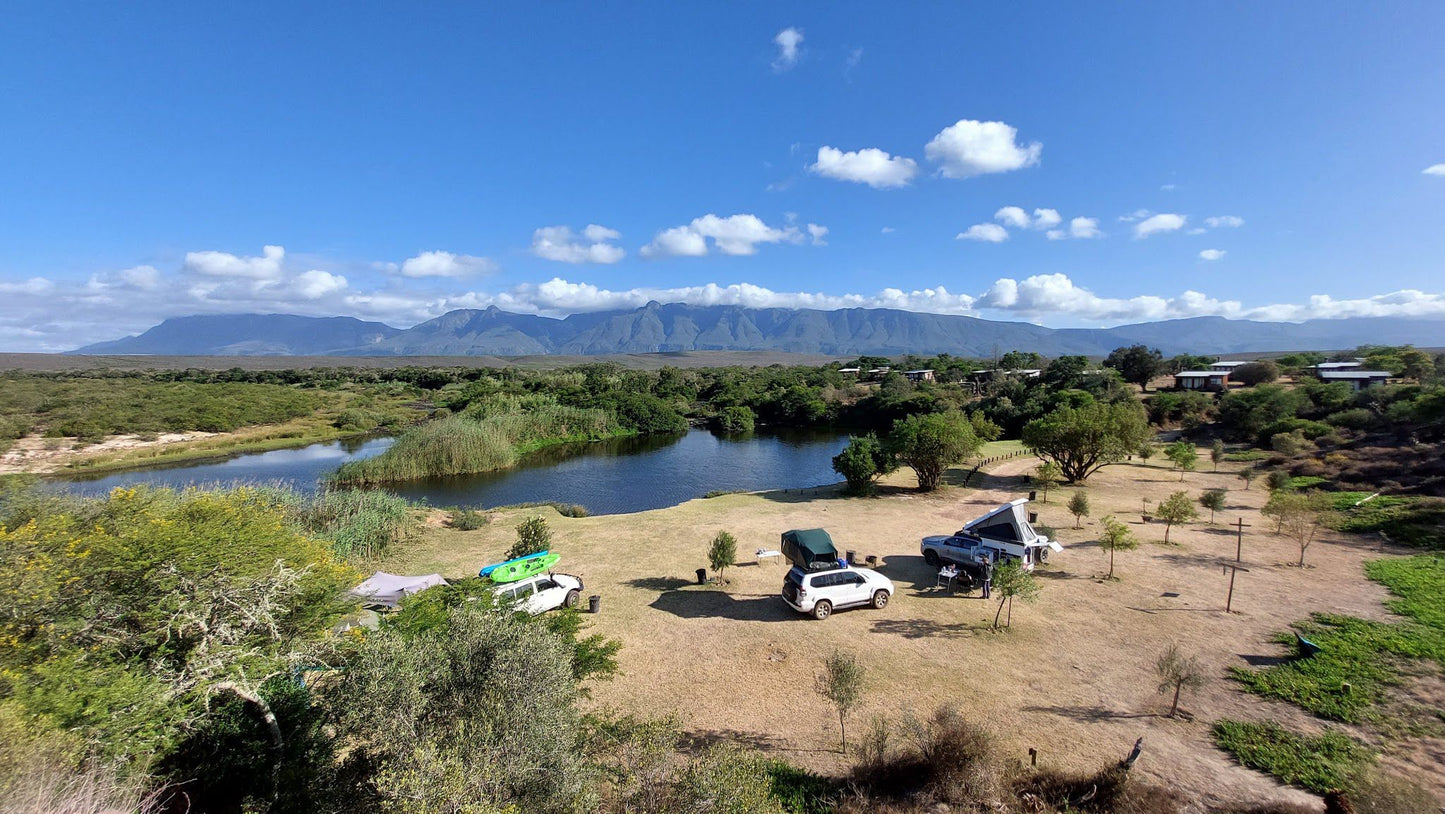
point(533, 537)
point(468, 519)
point(1355, 419)
point(1261, 372)
point(733, 420)
point(1311, 430)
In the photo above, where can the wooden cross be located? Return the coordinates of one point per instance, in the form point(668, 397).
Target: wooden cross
point(1234, 568)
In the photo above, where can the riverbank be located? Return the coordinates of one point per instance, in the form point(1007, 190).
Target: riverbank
point(1073, 678)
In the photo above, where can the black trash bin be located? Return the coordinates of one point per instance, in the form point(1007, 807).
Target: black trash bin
point(1033, 495)
point(702, 576)
point(594, 604)
point(850, 558)
point(1033, 517)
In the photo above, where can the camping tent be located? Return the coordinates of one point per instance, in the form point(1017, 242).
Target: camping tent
point(809, 548)
point(389, 589)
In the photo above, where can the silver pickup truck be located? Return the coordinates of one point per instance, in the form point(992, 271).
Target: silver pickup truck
point(1004, 533)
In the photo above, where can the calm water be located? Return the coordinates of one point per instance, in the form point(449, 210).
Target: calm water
point(611, 477)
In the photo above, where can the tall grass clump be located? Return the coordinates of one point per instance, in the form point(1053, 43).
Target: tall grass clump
point(359, 524)
point(487, 436)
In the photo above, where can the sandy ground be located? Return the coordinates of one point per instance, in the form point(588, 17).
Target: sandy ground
point(38, 455)
point(1073, 677)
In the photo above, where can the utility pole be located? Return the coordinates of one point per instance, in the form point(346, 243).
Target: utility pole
point(1235, 567)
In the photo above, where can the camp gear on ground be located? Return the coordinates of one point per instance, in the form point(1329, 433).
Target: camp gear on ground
point(388, 589)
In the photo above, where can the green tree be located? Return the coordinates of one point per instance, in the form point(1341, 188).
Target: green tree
point(1247, 474)
point(1083, 439)
point(1177, 508)
point(1213, 500)
point(1184, 456)
point(723, 552)
point(863, 462)
point(1276, 480)
point(1079, 507)
point(1255, 373)
point(533, 537)
point(1147, 450)
point(842, 684)
point(1010, 580)
point(1216, 453)
point(1176, 672)
point(1047, 475)
point(931, 443)
point(1137, 364)
point(1116, 536)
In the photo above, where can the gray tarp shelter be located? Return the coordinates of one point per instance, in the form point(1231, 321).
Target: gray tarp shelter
point(389, 589)
point(809, 548)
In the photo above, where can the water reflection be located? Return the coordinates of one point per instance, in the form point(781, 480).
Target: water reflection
point(607, 477)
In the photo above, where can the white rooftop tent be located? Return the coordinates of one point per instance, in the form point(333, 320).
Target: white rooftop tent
point(389, 589)
point(1009, 525)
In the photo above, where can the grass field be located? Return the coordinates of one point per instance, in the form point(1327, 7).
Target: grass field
point(1072, 678)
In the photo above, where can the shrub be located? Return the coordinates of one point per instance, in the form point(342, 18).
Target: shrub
point(735, 419)
point(468, 519)
point(533, 537)
point(723, 552)
point(1261, 372)
point(1354, 419)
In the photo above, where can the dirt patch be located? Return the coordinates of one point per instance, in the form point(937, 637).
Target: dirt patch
point(37, 455)
point(1073, 677)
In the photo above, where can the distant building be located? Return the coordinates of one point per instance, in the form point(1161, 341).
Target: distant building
point(1201, 380)
point(1226, 367)
point(919, 375)
point(1357, 379)
point(1324, 367)
point(849, 371)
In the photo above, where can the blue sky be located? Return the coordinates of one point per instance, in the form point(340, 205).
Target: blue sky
point(401, 159)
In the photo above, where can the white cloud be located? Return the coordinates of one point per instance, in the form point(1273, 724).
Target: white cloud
point(986, 232)
point(1013, 216)
point(818, 234)
point(144, 278)
point(735, 234)
point(223, 264)
point(870, 166)
point(1166, 188)
point(315, 284)
point(1212, 254)
point(968, 148)
point(1046, 218)
point(1085, 228)
point(446, 264)
point(1137, 214)
point(788, 40)
point(888, 230)
point(1224, 222)
point(560, 244)
point(1158, 224)
point(34, 285)
point(1057, 234)
point(1434, 169)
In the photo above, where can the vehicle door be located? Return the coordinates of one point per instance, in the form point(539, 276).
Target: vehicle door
point(548, 595)
point(521, 596)
point(852, 588)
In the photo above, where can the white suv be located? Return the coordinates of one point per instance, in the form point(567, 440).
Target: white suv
point(821, 592)
point(541, 593)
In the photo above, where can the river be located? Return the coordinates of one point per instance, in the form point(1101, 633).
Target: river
point(608, 477)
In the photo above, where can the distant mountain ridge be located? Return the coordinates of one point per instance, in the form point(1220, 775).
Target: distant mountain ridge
point(655, 328)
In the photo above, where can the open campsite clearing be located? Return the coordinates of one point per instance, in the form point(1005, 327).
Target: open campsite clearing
point(1073, 677)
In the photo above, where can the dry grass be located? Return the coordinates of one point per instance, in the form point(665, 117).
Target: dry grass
point(1073, 678)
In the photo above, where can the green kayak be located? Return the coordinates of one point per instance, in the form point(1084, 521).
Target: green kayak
point(513, 571)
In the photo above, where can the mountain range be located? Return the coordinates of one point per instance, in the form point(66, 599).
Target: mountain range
point(677, 327)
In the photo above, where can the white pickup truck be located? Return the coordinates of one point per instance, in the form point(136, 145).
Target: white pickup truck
point(541, 593)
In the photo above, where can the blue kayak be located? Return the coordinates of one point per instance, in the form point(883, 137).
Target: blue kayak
point(486, 572)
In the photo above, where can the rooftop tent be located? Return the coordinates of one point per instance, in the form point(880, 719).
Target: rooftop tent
point(809, 548)
point(1008, 523)
point(389, 589)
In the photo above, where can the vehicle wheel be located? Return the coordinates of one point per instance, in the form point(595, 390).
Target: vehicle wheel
point(880, 599)
point(931, 557)
point(573, 597)
point(823, 609)
point(1043, 555)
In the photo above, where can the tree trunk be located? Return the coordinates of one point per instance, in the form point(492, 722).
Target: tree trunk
point(1174, 708)
point(998, 613)
point(843, 728)
point(1009, 621)
point(1168, 524)
point(1111, 563)
point(268, 717)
